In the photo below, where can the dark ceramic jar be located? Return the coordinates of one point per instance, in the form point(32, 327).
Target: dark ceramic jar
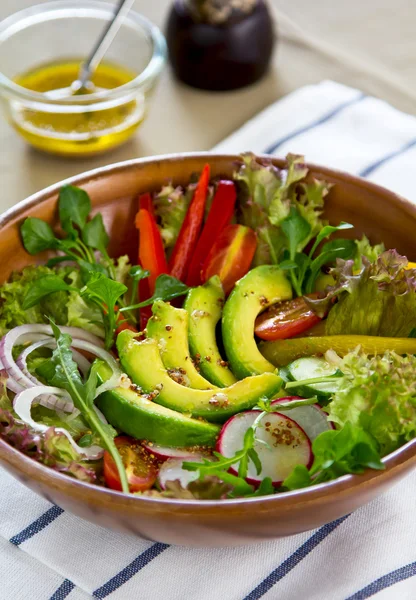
point(219, 51)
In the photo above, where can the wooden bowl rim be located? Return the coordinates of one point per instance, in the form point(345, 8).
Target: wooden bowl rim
point(345, 485)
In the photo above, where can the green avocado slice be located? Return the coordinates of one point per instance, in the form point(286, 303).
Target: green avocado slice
point(253, 293)
point(143, 419)
point(142, 362)
point(204, 305)
point(169, 327)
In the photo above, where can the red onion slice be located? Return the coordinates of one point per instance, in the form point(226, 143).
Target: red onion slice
point(22, 405)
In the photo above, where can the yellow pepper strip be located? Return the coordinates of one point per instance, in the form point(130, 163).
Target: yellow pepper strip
point(411, 265)
point(282, 352)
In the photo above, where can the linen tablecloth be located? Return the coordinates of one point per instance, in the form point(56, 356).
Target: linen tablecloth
point(46, 553)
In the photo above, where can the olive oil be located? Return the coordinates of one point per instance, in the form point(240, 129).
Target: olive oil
point(80, 129)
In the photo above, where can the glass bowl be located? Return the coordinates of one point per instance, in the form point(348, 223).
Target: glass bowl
point(57, 33)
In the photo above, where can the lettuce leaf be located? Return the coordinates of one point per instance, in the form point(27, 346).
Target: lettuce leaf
point(13, 292)
point(81, 313)
point(50, 448)
point(267, 195)
point(170, 206)
point(379, 300)
point(377, 394)
point(364, 248)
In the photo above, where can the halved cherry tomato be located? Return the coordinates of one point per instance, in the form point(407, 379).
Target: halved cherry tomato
point(285, 320)
point(140, 468)
point(231, 255)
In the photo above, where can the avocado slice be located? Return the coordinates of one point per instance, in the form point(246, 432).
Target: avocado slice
point(204, 305)
point(141, 418)
point(142, 362)
point(169, 327)
point(253, 293)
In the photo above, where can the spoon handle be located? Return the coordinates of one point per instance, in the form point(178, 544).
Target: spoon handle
point(103, 43)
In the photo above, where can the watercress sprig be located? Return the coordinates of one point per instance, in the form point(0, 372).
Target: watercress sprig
point(304, 268)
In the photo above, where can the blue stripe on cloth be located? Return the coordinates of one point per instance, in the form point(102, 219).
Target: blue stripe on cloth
point(324, 119)
point(43, 521)
point(63, 590)
point(294, 559)
point(385, 582)
point(374, 166)
point(128, 572)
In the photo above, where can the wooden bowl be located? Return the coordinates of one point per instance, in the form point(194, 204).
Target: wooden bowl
point(380, 214)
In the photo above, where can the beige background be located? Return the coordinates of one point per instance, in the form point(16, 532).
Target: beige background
point(368, 44)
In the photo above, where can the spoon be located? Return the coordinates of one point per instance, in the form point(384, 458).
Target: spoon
point(83, 83)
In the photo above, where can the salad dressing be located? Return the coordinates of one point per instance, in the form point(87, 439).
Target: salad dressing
point(77, 130)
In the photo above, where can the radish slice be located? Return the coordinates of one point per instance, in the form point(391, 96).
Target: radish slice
point(310, 417)
point(165, 452)
point(172, 470)
point(22, 405)
point(287, 445)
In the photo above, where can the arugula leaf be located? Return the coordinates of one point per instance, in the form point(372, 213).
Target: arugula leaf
point(42, 287)
point(37, 236)
point(62, 371)
point(95, 235)
point(166, 288)
point(74, 206)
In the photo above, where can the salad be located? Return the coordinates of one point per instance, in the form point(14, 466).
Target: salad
point(250, 348)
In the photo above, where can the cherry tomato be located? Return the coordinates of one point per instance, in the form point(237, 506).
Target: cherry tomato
point(140, 467)
point(231, 255)
point(285, 320)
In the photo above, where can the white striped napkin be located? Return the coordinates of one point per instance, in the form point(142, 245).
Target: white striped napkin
point(46, 553)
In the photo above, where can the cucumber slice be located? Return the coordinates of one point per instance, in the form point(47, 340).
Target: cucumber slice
point(309, 368)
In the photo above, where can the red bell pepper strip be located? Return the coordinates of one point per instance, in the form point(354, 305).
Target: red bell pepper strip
point(231, 255)
point(188, 235)
point(151, 252)
point(219, 216)
point(145, 201)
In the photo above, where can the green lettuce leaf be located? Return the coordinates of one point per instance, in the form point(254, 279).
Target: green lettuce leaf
point(82, 313)
point(378, 394)
point(379, 300)
point(13, 293)
point(269, 195)
point(170, 206)
point(364, 248)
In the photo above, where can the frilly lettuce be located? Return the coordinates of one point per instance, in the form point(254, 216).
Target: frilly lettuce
point(377, 394)
point(50, 448)
point(80, 313)
point(13, 292)
point(379, 300)
point(266, 197)
point(170, 206)
point(364, 248)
